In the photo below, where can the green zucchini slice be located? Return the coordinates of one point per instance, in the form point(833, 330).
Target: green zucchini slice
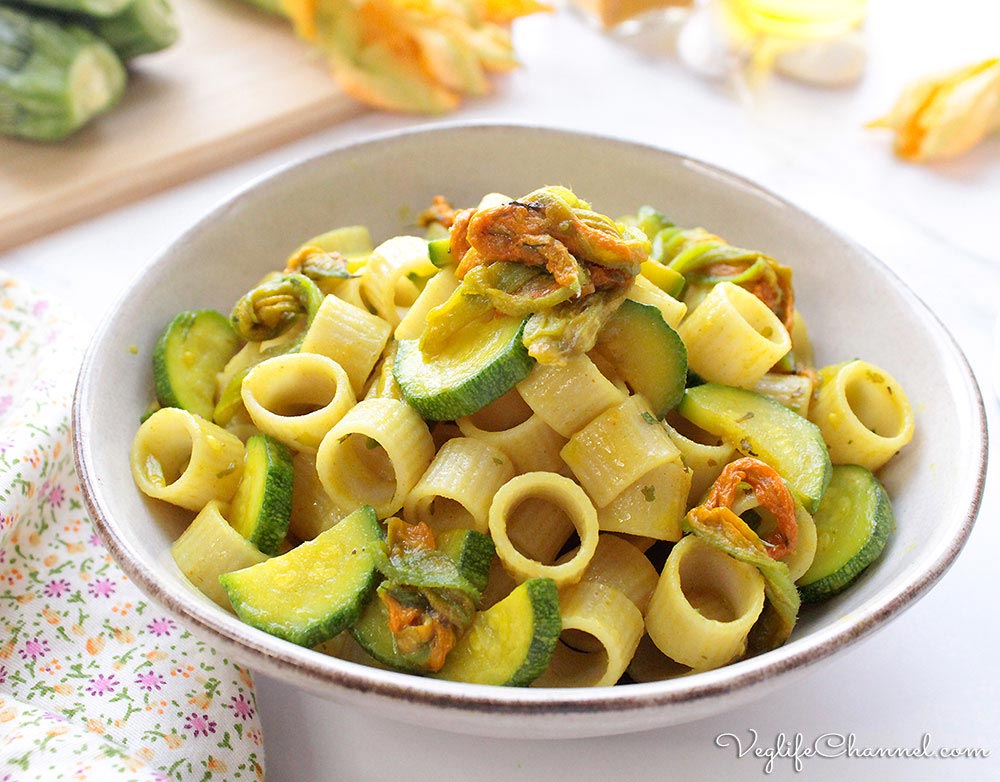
point(512, 642)
point(758, 426)
point(853, 523)
point(481, 362)
point(262, 505)
point(192, 350)
point(471, 551)
point(317, 589)
point(439, 251)
point(649, 355)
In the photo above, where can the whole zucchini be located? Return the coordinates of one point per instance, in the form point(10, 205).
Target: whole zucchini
point(53, 77)
point(142, 27)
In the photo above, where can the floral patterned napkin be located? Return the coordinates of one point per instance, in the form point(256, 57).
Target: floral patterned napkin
point(96, 683)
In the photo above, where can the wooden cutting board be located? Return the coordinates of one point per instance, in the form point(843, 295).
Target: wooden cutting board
point(238, 82)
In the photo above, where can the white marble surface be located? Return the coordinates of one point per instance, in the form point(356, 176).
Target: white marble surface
point(935, 670)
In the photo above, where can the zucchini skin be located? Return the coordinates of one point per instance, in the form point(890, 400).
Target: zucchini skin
point(758, 426)
point(54, 76)
point(192, 388)
point(879, 519)
point(95, 8)
point(445, 402)
point(142, 27)
point(267, 477)
point(316, 590)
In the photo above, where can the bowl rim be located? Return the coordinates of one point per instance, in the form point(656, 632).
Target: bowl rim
point(318, 672)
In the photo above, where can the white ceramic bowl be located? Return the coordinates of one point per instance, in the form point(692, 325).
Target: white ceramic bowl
point(853, 304)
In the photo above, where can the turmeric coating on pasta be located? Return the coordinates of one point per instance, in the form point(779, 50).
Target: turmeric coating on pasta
point(770, 491)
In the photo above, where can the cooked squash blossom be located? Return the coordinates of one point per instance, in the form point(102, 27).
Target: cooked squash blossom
point(429, 605)
point(705, 260)
point(943, 116)
point(416, 56)
point(546, 256)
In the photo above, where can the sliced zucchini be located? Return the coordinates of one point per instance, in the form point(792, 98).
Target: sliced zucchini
point(439, 251)
point(210, 547)
point(648, 355)
point(668, 280)
point(262, 505)
point(317, 589)
point(853, 523)
point(512, 642)
point(758, 426)
point(471, 551)
point(481, 362)
point(193, 349)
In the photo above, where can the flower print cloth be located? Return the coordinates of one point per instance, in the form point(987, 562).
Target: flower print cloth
point(96, 683)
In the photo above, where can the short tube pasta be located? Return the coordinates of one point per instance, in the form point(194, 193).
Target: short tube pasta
point(863, 413)
point(606, 622)
point(388, 264)
point(296, 398)
point(704, 605)
point(704, 460)
point(435, 292)
point(210, 547)
point(352, 337)
point(653, 506)
point(617, 448)
point(732, 337)
point(620, 564)
point(555, 490)
point(375, 454)
point(569, 397)
point(458, 487)
point(510, 425)
point(181, 458)
point(313, 511)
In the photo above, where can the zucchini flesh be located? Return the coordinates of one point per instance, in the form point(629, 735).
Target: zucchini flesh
point(649, 355)
point(853, 524)
point(471, 551)
point(758, 426)
point(439, 251)
point(193, 349)
point(512, 642)
point(316, 590)
point(262, 505)
point(481, 362)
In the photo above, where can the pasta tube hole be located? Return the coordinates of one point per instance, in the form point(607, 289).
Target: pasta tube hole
point(446, 513)
point(539, 529)
point(760, 319)
point(871, 399)
point(373, 475)
point(582, 642)
point(711, 586)
point(168, 464)
point(302, 397)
